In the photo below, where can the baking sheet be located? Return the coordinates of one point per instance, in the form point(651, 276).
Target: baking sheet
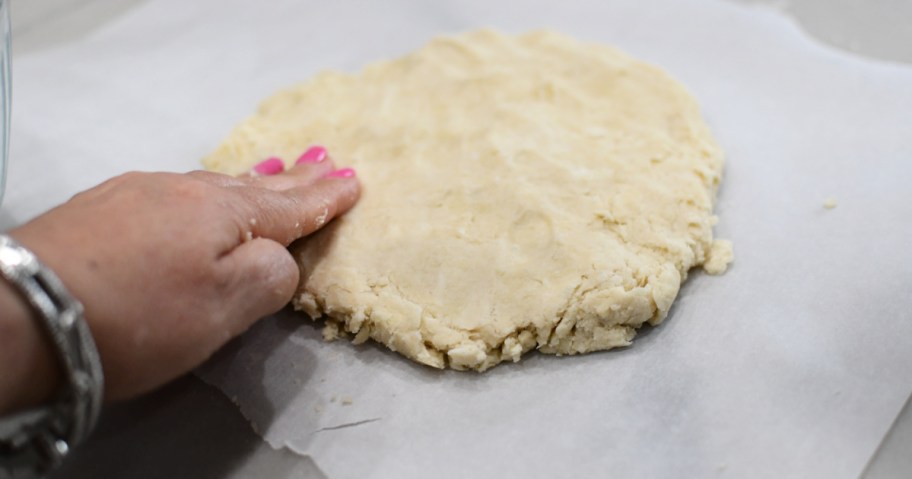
point(792, 364)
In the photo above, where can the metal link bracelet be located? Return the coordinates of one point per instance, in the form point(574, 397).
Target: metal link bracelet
point(36, 441)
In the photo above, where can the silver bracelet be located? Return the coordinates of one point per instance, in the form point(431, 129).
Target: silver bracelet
point(35, 441)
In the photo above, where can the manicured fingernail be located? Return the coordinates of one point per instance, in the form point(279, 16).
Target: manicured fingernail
point(343, 173)
point(314, 154)
point(271, 166)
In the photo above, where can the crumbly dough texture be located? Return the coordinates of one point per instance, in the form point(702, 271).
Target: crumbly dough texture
point(519, 192)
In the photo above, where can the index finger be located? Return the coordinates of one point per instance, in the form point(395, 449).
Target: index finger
point(286, 215)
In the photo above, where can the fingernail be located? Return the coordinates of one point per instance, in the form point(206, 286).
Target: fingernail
point(314, 154)
point(343, 173)
point(271, 166)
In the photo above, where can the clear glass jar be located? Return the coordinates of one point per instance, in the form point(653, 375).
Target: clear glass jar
point(6, 91)
point(6, 80)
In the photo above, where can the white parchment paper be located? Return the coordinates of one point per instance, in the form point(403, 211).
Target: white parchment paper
point(793, 364)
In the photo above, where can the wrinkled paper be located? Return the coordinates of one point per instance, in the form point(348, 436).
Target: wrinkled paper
point(794, 363)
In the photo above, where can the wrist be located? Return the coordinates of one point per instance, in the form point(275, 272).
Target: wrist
point(30, 369)
point(70, 417)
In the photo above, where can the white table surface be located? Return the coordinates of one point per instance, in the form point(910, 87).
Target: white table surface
point(189, 429)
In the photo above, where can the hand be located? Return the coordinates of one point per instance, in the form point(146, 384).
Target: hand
point(169, 267)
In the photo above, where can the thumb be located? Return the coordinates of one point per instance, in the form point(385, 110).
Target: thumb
point(269, 278)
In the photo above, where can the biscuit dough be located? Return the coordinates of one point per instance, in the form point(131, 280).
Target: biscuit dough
point(519, 192)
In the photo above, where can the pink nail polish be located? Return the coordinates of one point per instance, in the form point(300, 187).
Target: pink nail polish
point(314, 154)
point(343, 173)
point(271, 166)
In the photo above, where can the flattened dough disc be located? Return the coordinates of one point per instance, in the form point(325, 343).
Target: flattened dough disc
point(519, 192)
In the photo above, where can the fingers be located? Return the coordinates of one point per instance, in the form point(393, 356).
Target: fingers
point(268, 277)
point(301, 174)
point(285, 216)
point(331, 197)
point(287, 205)
point(313, 164)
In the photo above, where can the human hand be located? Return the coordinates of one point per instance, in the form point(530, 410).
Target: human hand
point(169, 267)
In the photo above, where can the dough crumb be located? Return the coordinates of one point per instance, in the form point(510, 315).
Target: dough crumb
point(346, 401)
point(321, 220)
point(829, 203)
point(331, 331)
point(720, 254)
